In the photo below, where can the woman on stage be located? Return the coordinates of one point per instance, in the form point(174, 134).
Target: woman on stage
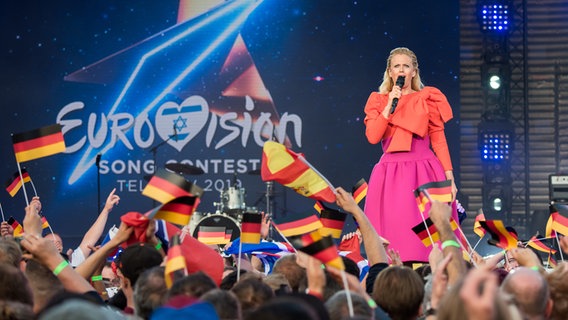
point(409, 131)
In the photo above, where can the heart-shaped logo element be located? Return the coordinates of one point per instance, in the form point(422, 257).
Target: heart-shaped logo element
point(181, 123)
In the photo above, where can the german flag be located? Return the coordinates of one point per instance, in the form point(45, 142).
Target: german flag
point(178, 210)
point(359, 190)
point(211, 235)
point(38, 143)
point(319, 206)
point(44, 223)
point(477, 228)
point(293, 170)
point(250, 228)
point(439, 190)
point(536, 244)
point(422, 232)
point(332, 221)
point(560, 223)
point(228, 236)
point(500, 236)
point(14, 184)
point(549, 233)
point(325, 251)
point(176, 267)
point(306, 239)
point(18, 229)
point(300, 226)
point(165, 186)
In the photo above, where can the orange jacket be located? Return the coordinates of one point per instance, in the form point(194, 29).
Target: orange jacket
point(419, 113)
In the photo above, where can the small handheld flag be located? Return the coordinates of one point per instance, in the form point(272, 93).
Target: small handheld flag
point(165, 186)
point(439, 190)
point(38, 143)
point(300, 226)
point(500, 236)
point(360, 190)
point(250, 228)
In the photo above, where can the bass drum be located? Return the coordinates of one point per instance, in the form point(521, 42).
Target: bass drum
point(214, 220)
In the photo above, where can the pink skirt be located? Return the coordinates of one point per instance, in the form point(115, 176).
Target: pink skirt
point(390, 204)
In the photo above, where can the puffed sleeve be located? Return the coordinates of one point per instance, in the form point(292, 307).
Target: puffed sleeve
point(439, 112)
point(375, 123)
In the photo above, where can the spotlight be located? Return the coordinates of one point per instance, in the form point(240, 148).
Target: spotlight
point(494, 16)
point(496, 140)
point(495, 82)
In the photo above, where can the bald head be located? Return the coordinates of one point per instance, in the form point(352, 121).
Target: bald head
point(530, 290)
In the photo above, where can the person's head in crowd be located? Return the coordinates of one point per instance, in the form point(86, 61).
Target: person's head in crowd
point(278, 283)
point(283, 308)
point(230, 279)
point(530, 292)
point(351, 266)
point(81, 309)
point(14, 310)
point(14, 285)
point(56, 239)
point(10, 252)
point(510, 262)
point(225, 303)
point(43, 282)
point(227, 270)
point(64, 296)
point(150, 292)
point(110, 280)
point(399, 291)
point(194, 285)
point(338, 308)
point(288, 266)
point(252, 292)
point(559, 290)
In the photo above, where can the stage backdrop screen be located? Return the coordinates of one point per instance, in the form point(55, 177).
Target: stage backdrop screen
point(202, 84)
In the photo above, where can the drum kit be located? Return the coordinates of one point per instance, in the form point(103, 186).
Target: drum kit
point(231, 205)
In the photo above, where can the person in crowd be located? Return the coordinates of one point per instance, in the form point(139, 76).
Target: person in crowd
point(150, 292)
point(338, 309)
point(193, 285)
point(530, 292)
point(225, 303)
point(408, 118)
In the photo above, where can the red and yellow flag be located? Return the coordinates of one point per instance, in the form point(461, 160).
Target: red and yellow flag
point(165, 186)
point(500, 236)
point(426, 227)
point(250, 228)
point(44, 223)
point(332, 221)
point(325, 251)
point(176, 267)
point(536, 244)
point(439, 190)
point(14, 184)
point(359, 190)
point(549, 233)
point(293, 170)
point(178, 210)
point(477, 228)
point(211, 235)
point(18, 229)
point(38, 143)
point(301, 226)
point(560, 223)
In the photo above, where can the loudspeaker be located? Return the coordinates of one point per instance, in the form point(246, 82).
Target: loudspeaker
point(558, 187)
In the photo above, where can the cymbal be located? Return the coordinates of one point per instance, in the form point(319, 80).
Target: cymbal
point(254, 172)
point(184, 168)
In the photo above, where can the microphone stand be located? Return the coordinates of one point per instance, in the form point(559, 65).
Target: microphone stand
point(154, 151)
point(98, 164)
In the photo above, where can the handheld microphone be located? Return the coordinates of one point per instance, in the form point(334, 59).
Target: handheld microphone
point(399, 83)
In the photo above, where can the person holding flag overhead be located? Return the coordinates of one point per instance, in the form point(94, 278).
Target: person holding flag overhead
point(408, 118)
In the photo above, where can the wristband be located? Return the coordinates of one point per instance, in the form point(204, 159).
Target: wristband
point(97, 278)
point(315, 294)
point(159, 245)
point(450, 243)
point(60, 267)
point(372, 303)
point(535, 268)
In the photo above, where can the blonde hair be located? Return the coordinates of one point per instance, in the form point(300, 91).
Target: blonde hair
point(387, 84)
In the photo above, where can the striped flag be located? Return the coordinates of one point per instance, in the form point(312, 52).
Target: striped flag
point(306, 239)
point(44, 223)
point(165, 231)
point(549, 233)
point(211, 235)
point(250, 227)
point(176, 267)
point(500, 236)
point(165, 186)
point(178, 210)
point(359, 190)
point(325, 251)
point(477, 228)
point(199, 257)
point(319, 206)
point(560, 223)
point(293, 170)
point(38, 143)
point(228, 235)
point(332, 221)
point(14, 184)
point(439, 190)
point(300, 226)
point(18, 229)
point(536, 244)
point(422, 232)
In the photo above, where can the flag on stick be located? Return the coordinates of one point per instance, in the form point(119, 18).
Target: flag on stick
point(332, 221)
point(14, 184)
point(560, 223)
point(250, 228)
point(44, 223)
point(439, 190)
point(178, 210)
point(500, 236)
point(427, 236)
point(211, 235)
point(325, 251)
point(549, 233)
point(294, 171)
point(38, 143)
point(176, 267)
point(18, 229)
point(199, 257)
point(477, 228)
point(165, 186)
point(300, 226)
point(359, 190)
point(536, 244)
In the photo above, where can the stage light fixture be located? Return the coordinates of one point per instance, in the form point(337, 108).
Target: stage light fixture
point(495, 82)
point(494, 16)
point(496, 140)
